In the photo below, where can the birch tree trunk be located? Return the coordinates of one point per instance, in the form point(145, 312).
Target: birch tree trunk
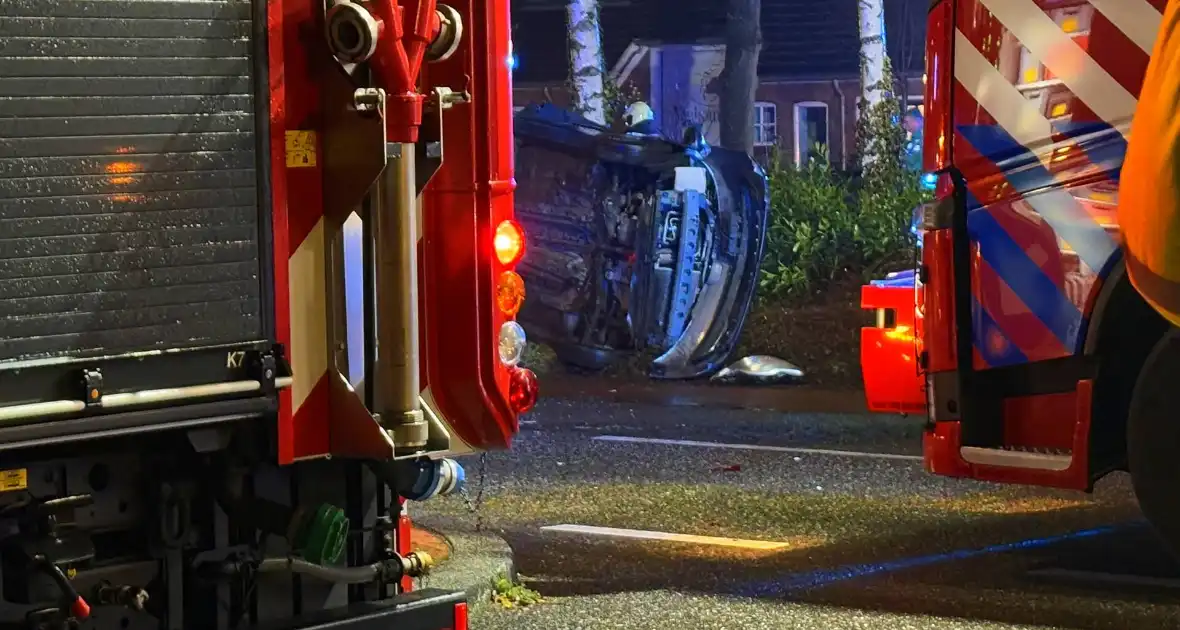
point(739, 77)
point(587, 67)
point(872, 51)
point(872, 61)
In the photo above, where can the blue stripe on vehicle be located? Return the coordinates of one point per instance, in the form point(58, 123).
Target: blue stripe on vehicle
point(1041, 191)
point(973, 202)
point(984, 327)
point(1011, 263)
point(1103, 145)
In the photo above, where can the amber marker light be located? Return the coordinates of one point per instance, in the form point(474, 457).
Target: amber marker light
point(510, 293)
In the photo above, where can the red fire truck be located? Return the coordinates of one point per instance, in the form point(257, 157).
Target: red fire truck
point(1019, 334)
point(210, 415)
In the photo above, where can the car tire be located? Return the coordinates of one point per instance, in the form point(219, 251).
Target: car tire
point(1153, 440)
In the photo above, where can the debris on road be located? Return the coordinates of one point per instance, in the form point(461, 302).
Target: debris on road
point(759, 369)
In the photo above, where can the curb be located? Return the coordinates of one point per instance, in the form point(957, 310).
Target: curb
point(476, 559)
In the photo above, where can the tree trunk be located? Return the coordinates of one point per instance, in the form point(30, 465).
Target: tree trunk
point(739, 77)
point(587, 68)
point(872, 50)
point(872, 57)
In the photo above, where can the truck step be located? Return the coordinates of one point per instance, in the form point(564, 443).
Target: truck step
point(1018, 457)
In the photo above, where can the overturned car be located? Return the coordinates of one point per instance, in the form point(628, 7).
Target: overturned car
point(636, 243)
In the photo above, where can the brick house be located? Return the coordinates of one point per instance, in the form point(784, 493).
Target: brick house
point(671, 53)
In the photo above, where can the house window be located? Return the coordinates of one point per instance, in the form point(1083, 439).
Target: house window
point(765, 124)
point(811, 129)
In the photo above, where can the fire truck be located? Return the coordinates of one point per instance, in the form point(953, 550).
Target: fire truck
point(1019, 335)
point(213, 405)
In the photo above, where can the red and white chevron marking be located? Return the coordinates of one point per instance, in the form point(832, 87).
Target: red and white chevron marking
point(1028, 66)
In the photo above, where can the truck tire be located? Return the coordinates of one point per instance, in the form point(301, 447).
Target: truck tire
point(1153, 439)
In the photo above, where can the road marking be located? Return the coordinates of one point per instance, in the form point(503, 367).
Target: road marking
point(640, 534)
point(755, 447)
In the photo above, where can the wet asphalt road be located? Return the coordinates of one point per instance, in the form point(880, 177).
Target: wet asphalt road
point(874, 542)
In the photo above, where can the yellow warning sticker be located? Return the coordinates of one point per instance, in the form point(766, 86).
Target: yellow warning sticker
point(300, 149)
point(16, 479)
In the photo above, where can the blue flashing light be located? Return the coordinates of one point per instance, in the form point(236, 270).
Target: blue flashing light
point(929, 181)
point(513, 62)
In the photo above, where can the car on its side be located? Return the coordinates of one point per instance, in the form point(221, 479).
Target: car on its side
point(636, 243)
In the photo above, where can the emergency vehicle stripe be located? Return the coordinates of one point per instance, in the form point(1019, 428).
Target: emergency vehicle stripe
point(1058, 207)
point(1025, 329)
point(994, 347)
point(1064, 58)
point(1028, 127)
point(1039, 293)
point(997, 95)
point(1014, 319)
point(1104, 145)
point(309, 323)
point(1018, 115)
point(1136, 18)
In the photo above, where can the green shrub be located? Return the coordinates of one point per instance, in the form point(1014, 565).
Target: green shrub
point(827, 225)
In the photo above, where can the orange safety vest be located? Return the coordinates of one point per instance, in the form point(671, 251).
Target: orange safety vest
point(1149, 191)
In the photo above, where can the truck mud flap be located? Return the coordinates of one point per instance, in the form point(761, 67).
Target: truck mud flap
point(427, 609)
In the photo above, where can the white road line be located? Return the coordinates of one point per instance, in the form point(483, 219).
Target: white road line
point(755, 447)
point(640, 534)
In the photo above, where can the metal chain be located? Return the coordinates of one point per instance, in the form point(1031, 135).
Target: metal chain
point(480, 483)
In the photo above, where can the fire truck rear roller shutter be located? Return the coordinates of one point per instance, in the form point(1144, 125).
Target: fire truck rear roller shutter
point(128, 177)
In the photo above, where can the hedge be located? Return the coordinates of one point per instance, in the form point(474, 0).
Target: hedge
point(827, 225)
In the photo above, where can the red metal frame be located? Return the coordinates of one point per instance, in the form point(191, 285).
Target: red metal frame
point(404, 542)
point(465, 201)
point(471, 193)
point(298, 56)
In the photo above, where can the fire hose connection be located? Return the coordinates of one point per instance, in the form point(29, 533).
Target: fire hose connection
point(450, 34)
point(316, 533)
point(352, 32)
point(320, 535)
point(422, 479)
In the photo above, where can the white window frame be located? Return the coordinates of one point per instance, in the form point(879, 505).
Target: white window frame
point(798, 109)
point(764, 106)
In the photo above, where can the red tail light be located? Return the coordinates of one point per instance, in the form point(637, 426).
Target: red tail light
point(509, 243)
point(523, 390)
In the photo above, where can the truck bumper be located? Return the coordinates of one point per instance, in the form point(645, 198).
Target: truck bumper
point(427, 609)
